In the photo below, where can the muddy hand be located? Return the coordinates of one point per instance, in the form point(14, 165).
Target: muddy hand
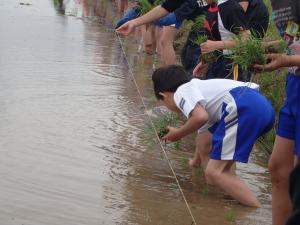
point(172, 135)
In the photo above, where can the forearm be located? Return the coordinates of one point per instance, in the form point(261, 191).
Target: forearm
point(220, 45)
point(192, 125)
point(271, 43)
point(150, 16)
point(231, 43)
point(292, 60)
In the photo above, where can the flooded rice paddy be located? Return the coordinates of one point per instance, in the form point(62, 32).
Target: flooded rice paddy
point(73, 146)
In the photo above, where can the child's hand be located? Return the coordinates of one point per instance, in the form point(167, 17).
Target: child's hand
point(200, 69)
point(276, 61)
point(172, 135)
point(126, 28)
point(209, 46)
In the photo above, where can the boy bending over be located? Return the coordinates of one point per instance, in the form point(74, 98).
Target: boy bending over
point(234, 112)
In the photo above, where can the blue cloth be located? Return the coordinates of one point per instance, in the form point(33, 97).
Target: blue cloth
point(168, 20)
point(129, 15)
point(246, 115)
point(289, 115)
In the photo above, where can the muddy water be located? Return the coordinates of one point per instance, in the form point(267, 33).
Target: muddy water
point(73, 148)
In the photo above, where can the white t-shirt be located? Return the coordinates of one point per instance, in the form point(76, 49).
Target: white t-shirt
point(209, 94)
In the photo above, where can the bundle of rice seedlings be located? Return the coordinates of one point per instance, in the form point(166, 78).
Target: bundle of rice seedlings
point(279, 47)
point(248, 52)
point(198, 24)
point(161, 123)
point(208, 57)
point(200, 40)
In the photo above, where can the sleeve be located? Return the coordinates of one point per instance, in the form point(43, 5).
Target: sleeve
point(252, 85)
point(233, 17)
point(187, 10)
point(171, 5)
point(186, 99)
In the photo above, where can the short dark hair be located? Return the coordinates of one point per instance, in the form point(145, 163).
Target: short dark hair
point(168, 78)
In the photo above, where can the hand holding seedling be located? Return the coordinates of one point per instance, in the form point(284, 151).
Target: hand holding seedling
point(172, 135)
point(200, 69)
point(276, 61)
point(209, 46)
point(126, 28)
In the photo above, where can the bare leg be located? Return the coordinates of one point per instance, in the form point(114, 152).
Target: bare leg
point(148, 39)
point(202, 151)
point(168, 52)
point(218, 172)
point(158, 35)
point(280, 165)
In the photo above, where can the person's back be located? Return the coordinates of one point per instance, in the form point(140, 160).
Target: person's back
point(233, 113)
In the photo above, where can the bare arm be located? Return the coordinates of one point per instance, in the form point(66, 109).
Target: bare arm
point(196, 120)
point(154, 14)
point(292, 60)
point(278, 61)
point(150, 16)
point(210, 46)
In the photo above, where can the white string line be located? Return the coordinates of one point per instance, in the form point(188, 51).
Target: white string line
point(156, 132)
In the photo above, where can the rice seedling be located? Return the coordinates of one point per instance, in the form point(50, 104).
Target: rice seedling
point(199, 171)
point(200, 40)
point(277, 47)
point(205, 189)
point(229, 215)
point(198, 24)
point(156, 3)
point(173, 186)
point(248, 52)
point(184, 160)
point(161, 124)
point(144, 6)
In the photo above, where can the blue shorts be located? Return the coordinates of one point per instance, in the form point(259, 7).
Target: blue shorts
point(246, 115)
point(289, 115)
point(168, 20)
point(129, 15)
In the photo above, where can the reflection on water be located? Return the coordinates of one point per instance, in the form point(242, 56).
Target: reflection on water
point(71, 123)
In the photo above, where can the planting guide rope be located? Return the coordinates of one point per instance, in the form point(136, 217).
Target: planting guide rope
point(156, 133)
